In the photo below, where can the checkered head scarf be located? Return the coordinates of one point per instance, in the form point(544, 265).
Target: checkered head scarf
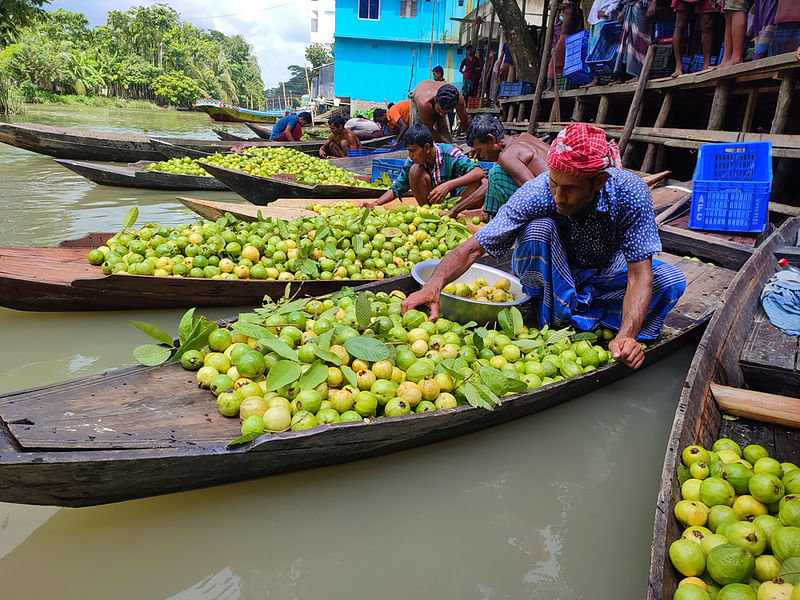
point(583, 151)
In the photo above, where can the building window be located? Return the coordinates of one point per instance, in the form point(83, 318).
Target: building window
point(408, 8)
point(369, 9)
point(314, 25)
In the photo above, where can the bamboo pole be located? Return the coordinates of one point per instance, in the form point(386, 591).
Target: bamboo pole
point(661, 120)
point(636, 104)
point(718, 105)
point(540, 80)
point(784, 102)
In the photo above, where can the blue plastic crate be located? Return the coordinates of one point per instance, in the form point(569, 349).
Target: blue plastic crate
point(575, 68)
point(515, 88)
point(663, 29)
point(393, 167)
point(602, 56)
point(486, 166)
point(731, 187)
point(370, 151)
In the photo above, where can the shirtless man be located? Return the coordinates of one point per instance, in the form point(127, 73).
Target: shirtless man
point(340, 140)
point(518, 160)
point(430, 103)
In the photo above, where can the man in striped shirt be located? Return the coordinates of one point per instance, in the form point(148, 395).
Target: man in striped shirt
point(432, 171)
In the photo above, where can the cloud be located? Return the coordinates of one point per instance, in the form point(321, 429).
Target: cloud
point(278, 32)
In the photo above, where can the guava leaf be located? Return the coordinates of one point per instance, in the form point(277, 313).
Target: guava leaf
point(790, 570)
point(186, 325)
point(287, 291)
point(494, 380)
point(487, 394)
point(366, 348)
point(460, 329)
point(251, 329)
point(515, 385)
point(153, 331)
point(474, 397)
point(282, 231)
point(294, 305)
point(244, 439)
point(151, 355)
point(358, 243)
point(310, 268)
point(259, 215)
point(282, 373)
point(363, 311)
point(131, 217)
point(327, 355)
point(683, 474)
point(364, 215)
point(322, 233)
point(585, 335)
point(516, 319)
point(448, 368)
point(559, 336)
point(479, 338)
point(280, 347)
point(528, 345)
point(504, 320)
point(222, 222)
point(349, 375)
point(329, 251)
point(317, 374)
point(197, 338)
point(324, 341)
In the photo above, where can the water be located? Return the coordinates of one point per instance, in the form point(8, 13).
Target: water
point(558, 505)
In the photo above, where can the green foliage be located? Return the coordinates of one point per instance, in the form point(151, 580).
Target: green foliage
point(143, 53)
point(317, 55)
point(16, 15)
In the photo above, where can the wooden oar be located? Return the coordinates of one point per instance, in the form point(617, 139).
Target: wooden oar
point(760, 406)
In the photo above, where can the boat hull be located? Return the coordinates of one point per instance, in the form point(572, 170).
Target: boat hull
point(135, 177)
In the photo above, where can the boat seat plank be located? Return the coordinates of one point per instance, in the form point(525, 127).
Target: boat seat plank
point(705, 285)
point(141, 416)
point(769, 358)
point(746, 239)
point(47, 265)
point(762, 406)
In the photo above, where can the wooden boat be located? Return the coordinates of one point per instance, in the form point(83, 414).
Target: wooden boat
point(743, 366)
point(81, 144)
point(133, 176)
point(228, 136)
point(222, 111)
point(61, 279)
point(143, 431)
point(262, 132)
point(263, 190)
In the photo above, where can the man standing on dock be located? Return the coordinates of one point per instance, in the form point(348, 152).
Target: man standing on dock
point(584, 236)
point(432, 171)
point(290, 127)
point(430, 103)
point(519, 159)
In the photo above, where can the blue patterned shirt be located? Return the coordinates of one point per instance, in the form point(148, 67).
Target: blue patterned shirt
point(622, 219)
point(449, 163)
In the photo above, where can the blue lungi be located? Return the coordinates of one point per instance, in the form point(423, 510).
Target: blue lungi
point(586, 298)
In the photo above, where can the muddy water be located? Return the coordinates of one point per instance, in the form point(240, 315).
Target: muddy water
point(558, 505)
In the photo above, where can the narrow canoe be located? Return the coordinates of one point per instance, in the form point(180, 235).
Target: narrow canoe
point(229, 137)
point(262, 132)
point(144, 431)
point(222, 111)
point(81, 144)
point(135, 177)
point(61, 279)
point(740, 356)
point(263, 190)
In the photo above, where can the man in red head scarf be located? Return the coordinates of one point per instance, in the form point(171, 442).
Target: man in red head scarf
point(584, 236)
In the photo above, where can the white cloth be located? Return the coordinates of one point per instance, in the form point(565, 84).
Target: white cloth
point(358, 125)
point(609, 7)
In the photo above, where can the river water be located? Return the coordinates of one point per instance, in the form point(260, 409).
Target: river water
point(558, 505)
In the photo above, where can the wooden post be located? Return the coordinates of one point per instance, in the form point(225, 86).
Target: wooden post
point(579, 110)
point(661, 120)
point(719, 104)
point(784, 102)
point(750, 110)
point(484, 83)
point(602, 111)
point(636, 104)
point(542, 76)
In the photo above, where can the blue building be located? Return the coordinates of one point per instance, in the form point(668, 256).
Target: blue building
point(385, 47)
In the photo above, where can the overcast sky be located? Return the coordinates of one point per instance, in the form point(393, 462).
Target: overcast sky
point(278, 31)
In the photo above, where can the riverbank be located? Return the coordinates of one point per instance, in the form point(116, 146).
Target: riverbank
point(13, 104)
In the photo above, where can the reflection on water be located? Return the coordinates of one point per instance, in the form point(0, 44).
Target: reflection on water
point(558, 505)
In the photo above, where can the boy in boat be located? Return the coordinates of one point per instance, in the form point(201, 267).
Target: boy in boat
point(340, 141)
point(290, 127)
point(584, 237)
point(398, 116)
point(430, 103)
point(519, 159)
point(431, 170)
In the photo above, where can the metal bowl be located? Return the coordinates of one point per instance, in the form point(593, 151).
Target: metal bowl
point(463, 310)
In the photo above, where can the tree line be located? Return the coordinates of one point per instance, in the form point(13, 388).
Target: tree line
point(144, 53)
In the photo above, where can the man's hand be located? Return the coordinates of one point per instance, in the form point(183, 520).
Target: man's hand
point(369, 205)
point(428, 295)
point(322, 153)
point(627, 351)
point(651, 10)
point(439, 193)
